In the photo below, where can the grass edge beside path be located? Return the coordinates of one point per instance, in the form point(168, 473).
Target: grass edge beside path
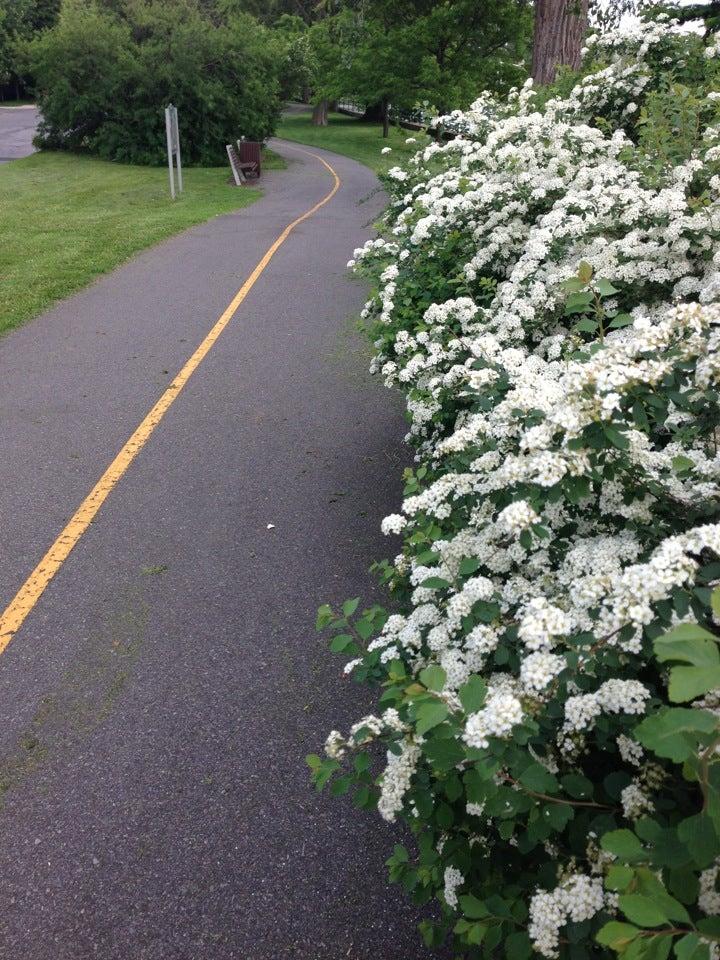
point(66, 220)
point(353, 138)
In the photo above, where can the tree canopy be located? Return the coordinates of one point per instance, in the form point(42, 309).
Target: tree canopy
point(105, 71)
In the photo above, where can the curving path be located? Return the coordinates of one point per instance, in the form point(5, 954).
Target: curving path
point(159, 699)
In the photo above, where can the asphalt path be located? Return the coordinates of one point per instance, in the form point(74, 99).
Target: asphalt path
point(159, 700)
point(17, 129)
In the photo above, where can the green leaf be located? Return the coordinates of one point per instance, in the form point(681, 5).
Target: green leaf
point(709, 925)
point(468, 565)
point(472, 694)
point(324, 616)
point(558, 815)
point(343, 643)
point(682, 464)
point(427, 557)
point(688, 683)
point(700, 839)
point(577, 786)
point(640, 417)
point(476, 933)
point(673, 732)
point(619, 877)
point(400, 854)
point(324, 772)
point(650, 886)
point(621, 320)
point(715, 602)
point(578, 301)
point(624, 844)
point(433, 678)
point(365, 627)
point(340, 786)
point(642, 910)
point(518, 946)
point(472, 907)
point(605, 288)
point(691, 947)
point(688, 643)
point(659, 948)
point(445, 753)
point(362, 762)
point(350, 606)
point(616, 438)
point(586, 325)
point(616, 935)
point(444, 816)
point(435, 583)
point(429, 715)
point(536, 777)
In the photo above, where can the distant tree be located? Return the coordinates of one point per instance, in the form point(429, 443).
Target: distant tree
point(20, 21)
point(269, 12)
point(405, 51)
point(325, 64)
point(6, 62)
point(298, 66)
point(103, 76)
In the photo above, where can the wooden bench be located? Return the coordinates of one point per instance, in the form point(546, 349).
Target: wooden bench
point(240, 168)
point(249, 152)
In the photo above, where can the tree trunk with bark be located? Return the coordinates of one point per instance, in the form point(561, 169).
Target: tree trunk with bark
point(386, 117)
point(320, 114)
point(559, 29)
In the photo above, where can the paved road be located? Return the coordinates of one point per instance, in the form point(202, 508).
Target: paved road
point(159, 700)
point(17, 128)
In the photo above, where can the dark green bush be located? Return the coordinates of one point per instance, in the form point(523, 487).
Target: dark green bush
point(104, 75)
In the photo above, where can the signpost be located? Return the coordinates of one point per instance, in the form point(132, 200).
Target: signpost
point(172, 132)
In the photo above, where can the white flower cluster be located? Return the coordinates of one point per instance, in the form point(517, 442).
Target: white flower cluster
point(453, 879)
point(635, 801)
point(396, 779)
point(501, 713)
point(517, 516)
point(578, 898)
point(562, 397)
point(613, 696)
point(709, 898)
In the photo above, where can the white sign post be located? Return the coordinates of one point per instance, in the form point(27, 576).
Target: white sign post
point(172, 133)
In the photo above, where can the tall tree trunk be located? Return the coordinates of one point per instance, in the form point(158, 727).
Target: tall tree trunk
point(559, 29)
point(320, 114)
point(386, 116)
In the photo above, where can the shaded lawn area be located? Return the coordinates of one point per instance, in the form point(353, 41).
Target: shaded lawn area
point(354, 138)
point(65, 219)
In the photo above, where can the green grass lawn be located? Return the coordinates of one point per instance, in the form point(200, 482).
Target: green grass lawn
point(64, 220)
point(354, 138)
point(17, 103)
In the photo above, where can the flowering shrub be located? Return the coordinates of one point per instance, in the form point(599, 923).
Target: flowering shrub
point(547, 300)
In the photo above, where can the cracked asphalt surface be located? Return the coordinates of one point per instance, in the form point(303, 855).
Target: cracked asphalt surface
point(159, 700)
point(17, 128)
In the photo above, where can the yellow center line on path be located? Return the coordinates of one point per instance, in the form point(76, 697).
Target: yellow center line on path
point(30, 592)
